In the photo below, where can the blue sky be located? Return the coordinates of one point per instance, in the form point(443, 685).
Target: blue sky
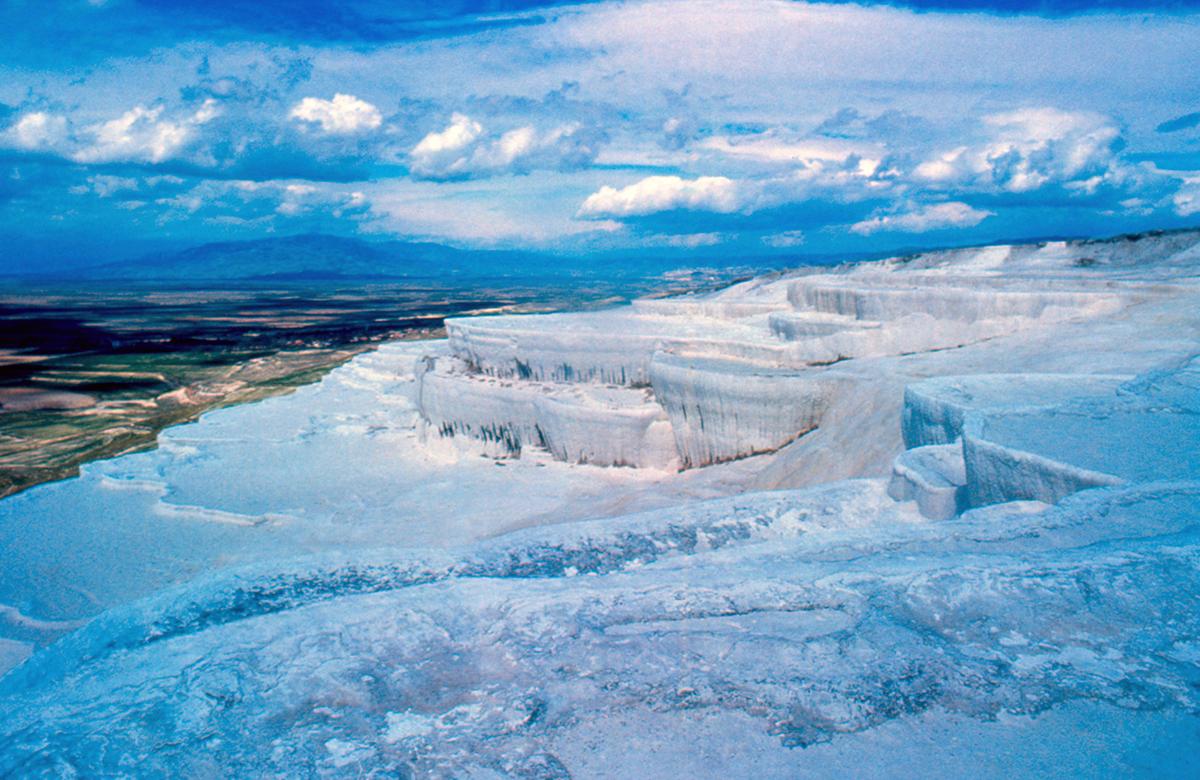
point(714, 126)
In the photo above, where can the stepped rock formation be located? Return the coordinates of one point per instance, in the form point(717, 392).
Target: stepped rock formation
point(746, 370)
point(940, 511)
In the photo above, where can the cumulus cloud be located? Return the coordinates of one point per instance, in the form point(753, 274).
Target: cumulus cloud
point(37, 130)
point(1031, 148)
point(461, 133)
point(764, 170)
point(142, 134)
point(654, 194)
point(105, 186)
point(779, 177)
point(228, 138)
point(867, 123)
point(829, 184)
point(938, 216)
point(464, 150)
point(138, 134)
point(856, 159)
point(344, 115)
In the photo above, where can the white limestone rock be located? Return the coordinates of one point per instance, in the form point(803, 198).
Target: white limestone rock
point(603, 347)
point(1148, 432)
point(855, 298)
point(497, 413)
point(934, 410)
point(607, 426)
point(702, 638)
point(800, 325)
point(727, 306)
point(1177, 386)
point(722, 409)
point(1045, 455)
point(934, 476)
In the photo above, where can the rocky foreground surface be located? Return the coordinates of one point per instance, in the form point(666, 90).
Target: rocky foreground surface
point(935, 515)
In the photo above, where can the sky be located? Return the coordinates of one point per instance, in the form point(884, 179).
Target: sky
point(718, 127)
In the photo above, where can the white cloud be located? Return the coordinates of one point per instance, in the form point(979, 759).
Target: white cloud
point(208, 111)
point(445, 153)
point(296, 199)
point(667, 101)
point(1030, 148)
point(499, 154)
point(462, 131)
point(515, 143)
point(463, 150)
point(663, 193)
point(106, 186)
point(267, 204)
point(138, 134)
point(919, 220)
point(788, 238)
point(1186, 200)
point(343, 115)
point(944, 167)
point(141, 134)
point(766, 170)
point(684, 240)
point(37, 130)
point(844, 182)
point(774, 147)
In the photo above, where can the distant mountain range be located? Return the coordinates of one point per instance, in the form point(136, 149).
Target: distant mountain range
point(324, 258)
point(317, 258)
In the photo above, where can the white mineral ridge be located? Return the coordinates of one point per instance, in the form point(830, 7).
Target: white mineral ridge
point(576, 423)
point(726, 366)
point(934, 476)
point(722, 409)
point(934, 516)
point(935, 409)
